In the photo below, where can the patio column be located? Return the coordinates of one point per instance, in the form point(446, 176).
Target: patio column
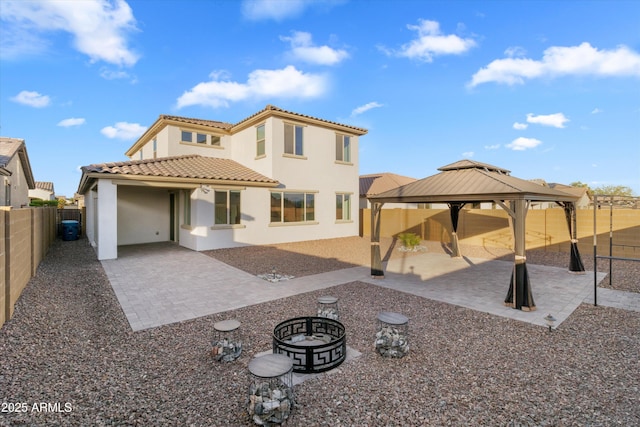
point(454, 209)
point(376, 261)
point(519, 295)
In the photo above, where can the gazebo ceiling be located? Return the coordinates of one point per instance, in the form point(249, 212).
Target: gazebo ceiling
point(469, 181)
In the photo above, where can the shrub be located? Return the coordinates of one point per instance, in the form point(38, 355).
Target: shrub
point(409, 240)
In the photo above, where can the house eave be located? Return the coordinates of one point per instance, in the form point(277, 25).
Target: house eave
point(165, 182)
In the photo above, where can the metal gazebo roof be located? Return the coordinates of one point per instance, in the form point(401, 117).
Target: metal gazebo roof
point(470, 181)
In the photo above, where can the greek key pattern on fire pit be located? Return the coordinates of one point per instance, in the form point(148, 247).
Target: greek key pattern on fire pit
point(315, 344)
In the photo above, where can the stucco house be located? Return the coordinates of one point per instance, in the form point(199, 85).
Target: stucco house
point(276, 176)
point(44, 191)
point(16, 177)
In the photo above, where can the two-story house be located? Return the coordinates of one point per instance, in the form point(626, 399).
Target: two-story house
point(276, 176)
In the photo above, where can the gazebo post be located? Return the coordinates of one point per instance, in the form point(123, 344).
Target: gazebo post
point(454, 209)
point(519, 295)
point(376, 261)
point(575, 262)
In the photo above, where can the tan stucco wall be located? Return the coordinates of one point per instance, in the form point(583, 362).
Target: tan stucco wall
point(545, 229)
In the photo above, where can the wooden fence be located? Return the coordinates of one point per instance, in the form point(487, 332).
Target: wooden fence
point(546, 229)
point(25, 237)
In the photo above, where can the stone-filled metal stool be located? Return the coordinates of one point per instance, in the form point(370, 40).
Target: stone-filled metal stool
point(328, 307)
point(392, 336)
point(227, 342)
point(271, 396)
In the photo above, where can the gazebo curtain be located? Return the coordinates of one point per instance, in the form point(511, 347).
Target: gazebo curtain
point(575, 262)
point(454, 209)
point(519, 295)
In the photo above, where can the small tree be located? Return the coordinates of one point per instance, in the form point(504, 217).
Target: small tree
point(614, 190)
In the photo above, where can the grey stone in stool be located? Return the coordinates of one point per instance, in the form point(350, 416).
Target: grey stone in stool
point(270, 391)
point(328, 307)
point(227, 343)
point(392, 336)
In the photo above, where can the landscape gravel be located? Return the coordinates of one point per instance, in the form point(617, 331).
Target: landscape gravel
point(70, 347)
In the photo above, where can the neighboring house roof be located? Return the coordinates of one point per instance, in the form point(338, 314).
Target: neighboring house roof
point(377, 183)
point(187, 169)
point(46, 186)
point(576, 191)
point(228, 128)
point(9, 148)
point(469, 181)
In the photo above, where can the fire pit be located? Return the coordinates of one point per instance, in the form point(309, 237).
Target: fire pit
point(315, 344)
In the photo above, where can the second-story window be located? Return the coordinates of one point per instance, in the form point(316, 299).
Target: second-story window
point(155, 148)
point(260, 140)
point(293, 140)
point(201, 138)
point(186, 136)
point(343, 148)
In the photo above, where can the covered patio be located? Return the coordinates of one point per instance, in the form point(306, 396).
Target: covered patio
point(466, 182)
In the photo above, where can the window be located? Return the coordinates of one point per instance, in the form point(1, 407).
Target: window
point(343, 207)
point(260, 149)
point(201, 138)
point(155, 148)
point(227, 207)
point(186, 207)
point(343, 148)
point(292, 207)
point(215, 140)
point(140, 154)
point(293, 139)
point(186, 136)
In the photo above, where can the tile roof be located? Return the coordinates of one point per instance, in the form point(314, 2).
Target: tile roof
point(187, 166)
point(209, 123)
point(377, 183)
point(43, 185)
point(8, 148)
point(270, 107)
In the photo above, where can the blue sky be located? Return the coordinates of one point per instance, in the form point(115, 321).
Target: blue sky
point(547, 90)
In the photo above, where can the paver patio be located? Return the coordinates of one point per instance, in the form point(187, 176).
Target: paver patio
point(163, 283)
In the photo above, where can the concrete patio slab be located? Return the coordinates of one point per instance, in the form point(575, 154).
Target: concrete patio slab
point(162, 283)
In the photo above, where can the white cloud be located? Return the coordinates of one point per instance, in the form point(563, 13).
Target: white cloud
point(431, 42)
point(492, 147)
point(302, 48)
point(285, 83)
point(515, 52)
point(366, 107)
point(73, 121)
point(278, 10)
point(597, 111)
point(115, 75)
point(32, 99)
point(520, 126)
point(99, 27)
point(124, 130)
point(556, 120)
point(468, 154)
point(561, 61)
point(521, 144)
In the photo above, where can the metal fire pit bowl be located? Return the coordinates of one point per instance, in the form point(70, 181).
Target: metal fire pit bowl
point(315, 344)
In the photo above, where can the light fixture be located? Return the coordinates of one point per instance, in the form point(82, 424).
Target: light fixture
point(273, 272)
point(550, 320)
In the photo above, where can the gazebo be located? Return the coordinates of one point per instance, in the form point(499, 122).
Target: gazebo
point(468, 181)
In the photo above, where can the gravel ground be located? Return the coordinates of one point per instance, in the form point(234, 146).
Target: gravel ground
point(69, 346)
